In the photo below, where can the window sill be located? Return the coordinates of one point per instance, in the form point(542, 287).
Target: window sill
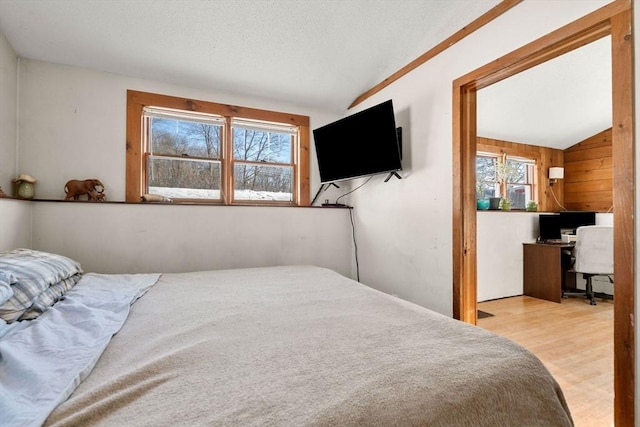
point(108, 202)
point(510, 210)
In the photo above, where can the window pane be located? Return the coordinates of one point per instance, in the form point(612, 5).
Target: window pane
point(519, 195)
point(187, 179)
point(261, 146)
point(486, 185)
point(263, 182)
point(185, 138)
point(517, 171)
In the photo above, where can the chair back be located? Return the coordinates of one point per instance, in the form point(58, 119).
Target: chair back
point(594, 249)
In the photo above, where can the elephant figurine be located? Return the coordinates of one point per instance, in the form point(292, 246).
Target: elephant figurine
point(93, 188)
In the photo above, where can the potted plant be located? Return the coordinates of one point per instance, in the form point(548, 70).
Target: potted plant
point(504, 171)
point(482, 203)
point(532, 206)
point(494, 203)
point(505, 204)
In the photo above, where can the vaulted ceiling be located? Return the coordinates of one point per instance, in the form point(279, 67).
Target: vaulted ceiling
point(556, 104)
point(316, 53)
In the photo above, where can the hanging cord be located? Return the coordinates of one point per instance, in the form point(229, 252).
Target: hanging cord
point(555, 198)
point(349, 192)
point(353, 228)
point(355, 245)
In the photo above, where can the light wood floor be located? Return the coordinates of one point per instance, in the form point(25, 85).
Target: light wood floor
point(575, 342)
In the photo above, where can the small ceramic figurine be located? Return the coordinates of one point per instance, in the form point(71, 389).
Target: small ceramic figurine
point(92, 188)
point(24, 186)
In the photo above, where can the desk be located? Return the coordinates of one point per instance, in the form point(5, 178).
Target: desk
point(544, 276)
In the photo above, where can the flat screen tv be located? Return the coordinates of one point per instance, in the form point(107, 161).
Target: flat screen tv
point(549, 226)
point(365, 143)
point(574, 219)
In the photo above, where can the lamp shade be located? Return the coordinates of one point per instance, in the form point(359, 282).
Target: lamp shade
point(556, 173)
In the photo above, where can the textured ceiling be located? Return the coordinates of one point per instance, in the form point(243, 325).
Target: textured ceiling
point(321, 53)
point(556, 104)
point(315, 53)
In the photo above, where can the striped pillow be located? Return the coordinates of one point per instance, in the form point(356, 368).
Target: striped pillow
point(41, 279)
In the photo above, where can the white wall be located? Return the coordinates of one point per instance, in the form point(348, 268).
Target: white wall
point(500, 253)
point(15, 215)
point(408, 222)
point(138, 238)
point(8, 112)
point(72, 124)
point(15, 224)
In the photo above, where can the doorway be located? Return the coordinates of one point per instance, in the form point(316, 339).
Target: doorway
point(613, 19)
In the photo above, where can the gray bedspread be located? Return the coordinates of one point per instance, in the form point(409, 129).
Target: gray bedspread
point(294, 346)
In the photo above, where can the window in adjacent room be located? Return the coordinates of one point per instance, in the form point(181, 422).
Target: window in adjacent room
point(500, 175)
point(486, 182)
point(194, 151)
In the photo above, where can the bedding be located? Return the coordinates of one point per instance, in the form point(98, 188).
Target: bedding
point(294, 345)
point(43, 360)
point(6, 291)
point(37, 280)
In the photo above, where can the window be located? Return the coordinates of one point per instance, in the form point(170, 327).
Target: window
point(486, 182)
point(519, 182)
point(500, 175)
point(263, 160)
point(195, 151)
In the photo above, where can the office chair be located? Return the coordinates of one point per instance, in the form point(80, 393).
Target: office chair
point(594, 255)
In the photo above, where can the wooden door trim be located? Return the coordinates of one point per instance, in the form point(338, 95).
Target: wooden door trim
point(614, 19)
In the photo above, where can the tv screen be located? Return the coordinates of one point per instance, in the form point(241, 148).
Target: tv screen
point(549, 226)
point(574, 219)
point(365, 143)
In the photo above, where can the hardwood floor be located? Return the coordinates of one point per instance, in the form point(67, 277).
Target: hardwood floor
point(575, 342)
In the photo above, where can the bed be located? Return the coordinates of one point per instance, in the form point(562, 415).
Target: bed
point(290, 345)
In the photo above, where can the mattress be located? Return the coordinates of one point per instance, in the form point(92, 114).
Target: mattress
point(302, 345)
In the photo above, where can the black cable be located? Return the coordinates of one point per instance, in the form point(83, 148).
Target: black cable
point(317, 194)
point(355, 246)
point(349, 192)
point(321, 189)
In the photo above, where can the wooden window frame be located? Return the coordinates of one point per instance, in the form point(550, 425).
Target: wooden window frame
point(488, 150)
point(530, 177)
point(544, 157)
point(135, 149)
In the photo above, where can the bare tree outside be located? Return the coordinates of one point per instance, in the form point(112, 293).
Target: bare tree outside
point(186, 155)
point(486, 177)
point(491, 171)
point(253, 146)
point(195, 151)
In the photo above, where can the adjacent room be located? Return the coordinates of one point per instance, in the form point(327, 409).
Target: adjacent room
point(331, 201)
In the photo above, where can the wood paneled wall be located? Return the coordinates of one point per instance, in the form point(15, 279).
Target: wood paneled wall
point(588, 177)
point(545, 158)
